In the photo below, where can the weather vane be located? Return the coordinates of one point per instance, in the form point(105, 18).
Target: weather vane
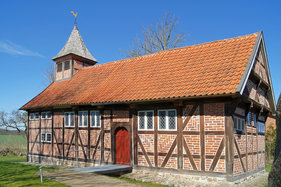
point(75, 15)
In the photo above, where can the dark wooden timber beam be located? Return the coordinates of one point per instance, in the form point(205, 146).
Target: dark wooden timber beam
point(202, 136)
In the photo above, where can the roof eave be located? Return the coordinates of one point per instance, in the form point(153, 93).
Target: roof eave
point(132, 101)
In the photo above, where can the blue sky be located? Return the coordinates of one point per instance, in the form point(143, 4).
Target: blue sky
point(32, 32)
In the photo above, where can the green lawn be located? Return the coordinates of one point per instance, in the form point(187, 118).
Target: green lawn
point(13, 174)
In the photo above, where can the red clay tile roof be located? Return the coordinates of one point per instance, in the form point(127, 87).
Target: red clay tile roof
point(213, 68)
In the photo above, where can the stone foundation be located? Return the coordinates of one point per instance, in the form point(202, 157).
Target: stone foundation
point(45, 160)
point(174, 179)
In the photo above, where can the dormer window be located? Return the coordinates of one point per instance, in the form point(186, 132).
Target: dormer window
point(59, 67)
point(66, 65)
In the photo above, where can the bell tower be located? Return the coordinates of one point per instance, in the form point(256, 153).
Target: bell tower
point(73, 57)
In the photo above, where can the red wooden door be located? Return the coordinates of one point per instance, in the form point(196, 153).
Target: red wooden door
point(122, 147)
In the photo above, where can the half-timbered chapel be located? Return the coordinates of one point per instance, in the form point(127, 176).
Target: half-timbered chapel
point(196, 109)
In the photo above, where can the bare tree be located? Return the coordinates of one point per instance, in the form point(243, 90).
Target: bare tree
point(157, 37)
point(49, 74)
point(15, 120)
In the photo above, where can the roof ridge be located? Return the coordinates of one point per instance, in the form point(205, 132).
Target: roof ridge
point(174, 49)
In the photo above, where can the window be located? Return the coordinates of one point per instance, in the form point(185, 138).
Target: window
point(239, 123)
point(46, 137)
point(59, 67)
point(255, 119)
point(34, 116)
point(43, 137)
point(66, 65)
point(167, 119)
point(249, 119)
point(46, 115)
point(95, 118)
point(83, 119)
point(261, 127)
point(145, 120)
point(69, 119)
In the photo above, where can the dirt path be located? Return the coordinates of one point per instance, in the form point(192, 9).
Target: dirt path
point(74, 178)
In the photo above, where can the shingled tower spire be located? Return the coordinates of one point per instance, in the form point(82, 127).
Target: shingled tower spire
point(73, 56)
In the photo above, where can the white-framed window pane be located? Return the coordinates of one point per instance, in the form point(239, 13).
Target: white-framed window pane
point(85, 116)
point(66, 119)
point(49, 137)
point(31, 116)
point(98, 118)
point(49, 115)
point(43, 115)
point(37, 116)
point(149, 120)
point(172, 119)
point(43, 136)
point(80, 115)
point(93, 115)
point(162, 119)
point(239, 124)
point(72, 119)
point(141, 120)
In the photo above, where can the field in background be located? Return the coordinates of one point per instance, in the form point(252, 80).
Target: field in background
point(12, 144)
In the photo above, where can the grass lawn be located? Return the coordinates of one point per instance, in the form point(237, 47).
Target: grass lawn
point(13, 174)
point(268, 167)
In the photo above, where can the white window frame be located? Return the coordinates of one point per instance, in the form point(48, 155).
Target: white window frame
point(82, 123)
point(46, 114)
point(240, 122)
point(145, 120)
point(259, 127)
point(45, 137)
point(34, 116)
point(96, 120)
point(69, 119)
point(167, 120)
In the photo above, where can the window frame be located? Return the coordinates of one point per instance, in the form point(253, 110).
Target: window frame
point(45, 140)
point(145, 120)
point(167, 120)
point(46, 113)
point(239, 121)
point(259, 127)
point(34, 116)
point(96, 120)
point(69, 119)
point(59, 70)
point(66, 62)
point(83, 118)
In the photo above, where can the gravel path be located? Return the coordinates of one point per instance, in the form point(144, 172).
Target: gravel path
point(74, 178)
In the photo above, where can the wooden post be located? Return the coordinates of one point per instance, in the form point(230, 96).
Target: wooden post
point(89, 136)
point(40, 143)
point(102, 135)
point(63, 152)
point(229, 151)
point(180, 137)
point(202, 136)
point(112, 138)
point(52, 114)
point(27, 155)
point(76, 132)
point(135, 122)
point(155, 138)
